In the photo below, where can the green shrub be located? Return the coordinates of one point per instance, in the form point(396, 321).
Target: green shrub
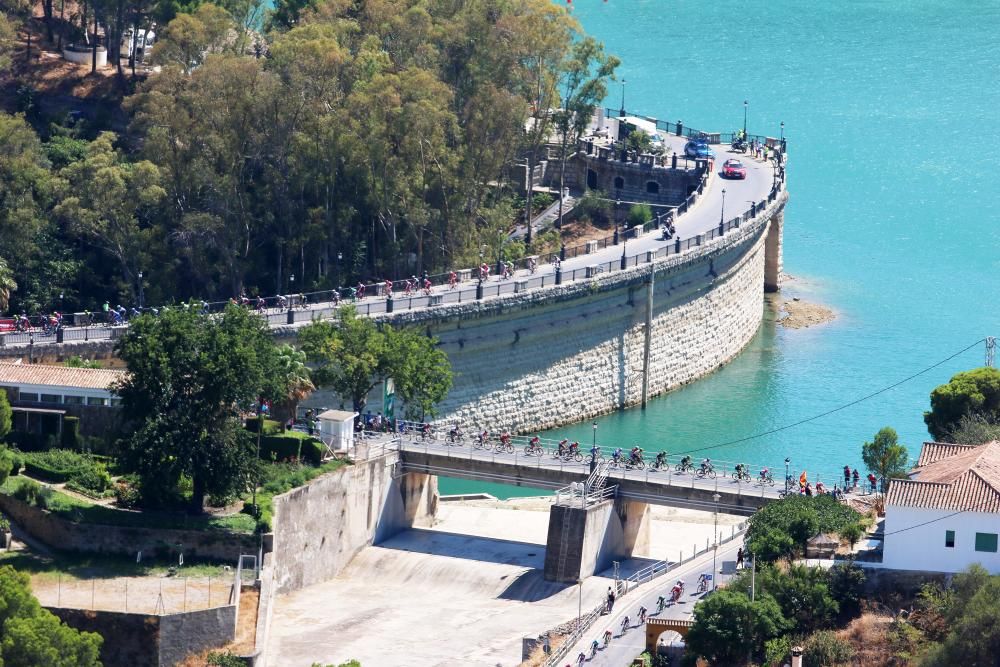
point(26, 490)
point(271, 427)
point(94, 478)
point(17, 461)
point(27, 442)
point(6, 463)
point(291, 448)
point(57, 465)
point(825, 649)
point(43, 499)
point(127, 494)
point(4, 524)
point(226, 659)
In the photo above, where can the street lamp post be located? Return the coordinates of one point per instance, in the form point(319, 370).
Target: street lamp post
point(624, 243)
point(722, 215)
point(140, 291)
point(746, 109)
point(579, 606)
point(715, 550)
point(618, 204)
point(782, 132)
point(621, 112)
point(479, 271)
point(595, 434)
point(787, 461)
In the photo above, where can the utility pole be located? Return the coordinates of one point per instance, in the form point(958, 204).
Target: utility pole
point(991, 349)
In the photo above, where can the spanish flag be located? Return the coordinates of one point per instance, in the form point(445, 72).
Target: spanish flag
point(803, 480)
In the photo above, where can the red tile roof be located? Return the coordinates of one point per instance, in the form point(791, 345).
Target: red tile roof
point(58, 376)
point(953, 477)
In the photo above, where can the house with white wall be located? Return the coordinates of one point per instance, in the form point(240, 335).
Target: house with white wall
point(946, 516)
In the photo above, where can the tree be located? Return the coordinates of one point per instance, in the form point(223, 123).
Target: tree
point(884, 456)
point(6, 415)
point(639, 215)
point(781, 529)
point(974, 429)
point(728, 626)
point(293, 374)
point(975, 392)
point(974, 636)
point(109, 202)
point(189, 38)
point(31, 635)
point(803, 594)
point(354, 356)
point(7, 284)
point(189, 376)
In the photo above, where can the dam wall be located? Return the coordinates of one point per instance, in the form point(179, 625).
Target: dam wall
point(544, 358)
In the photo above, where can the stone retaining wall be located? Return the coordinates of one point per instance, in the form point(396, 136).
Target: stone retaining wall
point(59, 533)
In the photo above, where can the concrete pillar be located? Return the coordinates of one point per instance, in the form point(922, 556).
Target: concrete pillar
point(582, 541)
point(772, 254)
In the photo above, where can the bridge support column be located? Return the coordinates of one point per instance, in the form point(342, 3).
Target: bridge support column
point(583, 541)
point(772, 254)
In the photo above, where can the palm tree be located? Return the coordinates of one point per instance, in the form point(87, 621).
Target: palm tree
point(7, 284)
point(295, 376)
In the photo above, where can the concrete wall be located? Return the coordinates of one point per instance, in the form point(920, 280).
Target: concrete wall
point(320, 527)
point(549, 357)
point(59, 533)
point(921, 545)
point(195, 631)
point(140, 640)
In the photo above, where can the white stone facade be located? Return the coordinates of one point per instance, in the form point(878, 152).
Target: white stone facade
point(916, 539)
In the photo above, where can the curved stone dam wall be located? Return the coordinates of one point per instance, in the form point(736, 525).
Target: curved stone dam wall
point(550, 357)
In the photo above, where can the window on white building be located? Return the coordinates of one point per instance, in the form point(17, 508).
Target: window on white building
point(50, 398)
point(73, 400)
point(986, 542)
point(96, 400)
point(949, 539)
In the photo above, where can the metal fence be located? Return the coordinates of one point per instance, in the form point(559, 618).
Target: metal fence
point(138, 595)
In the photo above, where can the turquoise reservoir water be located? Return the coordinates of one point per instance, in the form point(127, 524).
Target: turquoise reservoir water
point(891, 110)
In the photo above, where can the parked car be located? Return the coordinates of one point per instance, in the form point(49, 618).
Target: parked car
point(734, 169)
point(698, 148)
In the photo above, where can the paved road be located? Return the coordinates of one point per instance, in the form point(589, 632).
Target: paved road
point(705, 214)
point(625, 647)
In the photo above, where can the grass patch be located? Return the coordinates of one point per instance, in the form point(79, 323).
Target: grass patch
point(277, 478)
point(102, 566)
point(80, 511)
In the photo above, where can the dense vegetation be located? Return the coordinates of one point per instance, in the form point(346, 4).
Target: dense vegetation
point(967, 408)
point(781, 529)
point(348, 140)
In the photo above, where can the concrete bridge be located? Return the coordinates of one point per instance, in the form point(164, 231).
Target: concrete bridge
point(601, 512)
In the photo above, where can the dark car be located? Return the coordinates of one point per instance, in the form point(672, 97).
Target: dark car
point(734, 169)
point(698, 148)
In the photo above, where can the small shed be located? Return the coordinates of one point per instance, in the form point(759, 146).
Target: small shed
point(336, 429)
point(824, 545)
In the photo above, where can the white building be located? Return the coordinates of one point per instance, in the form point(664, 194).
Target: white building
point(947, 515)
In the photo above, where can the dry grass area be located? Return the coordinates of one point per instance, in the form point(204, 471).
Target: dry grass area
point(143, 595)
point(579, 232)
point(538, 656)
point(872, 637)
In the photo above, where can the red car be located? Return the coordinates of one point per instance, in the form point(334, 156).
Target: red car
point(734, 169)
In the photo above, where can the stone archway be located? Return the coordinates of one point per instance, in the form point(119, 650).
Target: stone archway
point(657, 626)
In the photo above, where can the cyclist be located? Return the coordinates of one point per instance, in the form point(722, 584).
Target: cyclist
point(635, 455)
point(510, 269)
point(686, 463)
point(626, 624)
point(703, 580)
point(361, 291)
point(455, 434)
point(574, 448)
point(388, 288)
point(661, 460)
point(661, 602)
point(336, 297)
point(764, 474)
point(607, 638)
point(411, 284)
point(642, 615)
point(617, 455)
point(535, 444)
point(595, 453)
point(452, 279)
point(282, 302)
point(706, 464)
point(427, 286)
point(562, 447)
point(580, 659)
point(677, 591)
point(505, 439)
point(594, 645)
point(484, 272)
point(532, 265)
point(484, 437)
point(425, 431)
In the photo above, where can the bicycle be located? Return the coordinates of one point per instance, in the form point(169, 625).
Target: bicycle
point(684, 466)
point(635, 464)
point(533, 449)
point(642, 615)
point(504, 447)
point(708, 472)
point(765, 478)
point(661, 602)
point(741, 475)
point(482, 442)
point(703, 582)
point(626, 624)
